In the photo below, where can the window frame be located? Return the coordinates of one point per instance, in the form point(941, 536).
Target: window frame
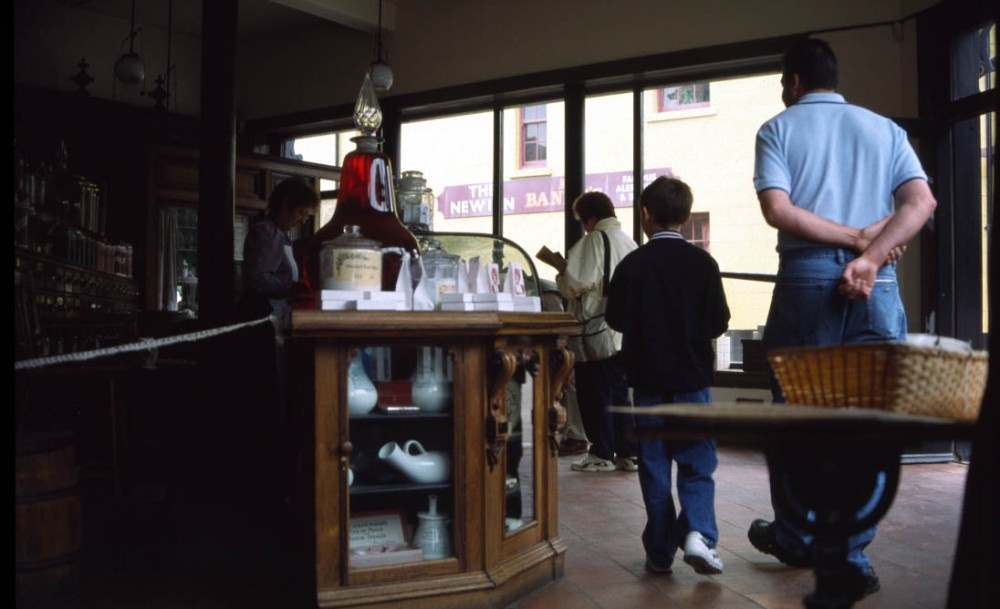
point(540, 143)
point(661, 94)
point(696, 230)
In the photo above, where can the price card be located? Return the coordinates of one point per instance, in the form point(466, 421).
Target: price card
point(377, 529)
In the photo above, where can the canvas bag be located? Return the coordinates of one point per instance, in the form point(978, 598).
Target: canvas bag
point(595, 335)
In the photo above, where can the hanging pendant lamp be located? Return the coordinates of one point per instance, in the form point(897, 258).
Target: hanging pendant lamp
point(379, 70)
point(129, 68)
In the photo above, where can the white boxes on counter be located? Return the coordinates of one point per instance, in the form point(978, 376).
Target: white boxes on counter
point(499, 301)
point(361, 300)
point(370, 300)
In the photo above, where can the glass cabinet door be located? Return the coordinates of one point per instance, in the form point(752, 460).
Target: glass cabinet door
point(401, 473)
point(519, 507)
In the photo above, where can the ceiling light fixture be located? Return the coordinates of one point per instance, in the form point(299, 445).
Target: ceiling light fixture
point(379, 70)
point(129, 68)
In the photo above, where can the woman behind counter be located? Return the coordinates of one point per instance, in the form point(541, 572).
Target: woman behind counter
point(270, 281)
point(270, 274)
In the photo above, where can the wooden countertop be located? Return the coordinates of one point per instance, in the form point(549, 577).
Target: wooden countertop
point(308, 323)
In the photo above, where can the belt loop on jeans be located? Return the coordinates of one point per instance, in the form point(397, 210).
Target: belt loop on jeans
point(839, 255)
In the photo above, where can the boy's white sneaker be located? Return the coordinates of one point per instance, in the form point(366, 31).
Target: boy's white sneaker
point(704, 559)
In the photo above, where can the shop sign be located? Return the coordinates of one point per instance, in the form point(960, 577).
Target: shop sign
point(536, 195)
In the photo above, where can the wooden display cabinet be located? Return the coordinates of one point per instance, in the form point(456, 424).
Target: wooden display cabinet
point(495, 556)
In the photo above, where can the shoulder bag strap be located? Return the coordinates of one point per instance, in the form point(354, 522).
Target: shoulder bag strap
point(607, 262)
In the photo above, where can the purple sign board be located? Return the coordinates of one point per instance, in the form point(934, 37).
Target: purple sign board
point(537, 195)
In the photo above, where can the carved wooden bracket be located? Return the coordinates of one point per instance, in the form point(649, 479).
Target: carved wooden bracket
point(497, 429)
point(561, 366)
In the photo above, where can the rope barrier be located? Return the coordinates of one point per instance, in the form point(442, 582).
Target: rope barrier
point(144, 344)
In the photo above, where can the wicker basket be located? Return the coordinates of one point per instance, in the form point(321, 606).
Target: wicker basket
point(894, 376)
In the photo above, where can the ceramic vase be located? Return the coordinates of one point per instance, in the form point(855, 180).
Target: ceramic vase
point(430, 387)
point(361, 393)
point(415, 463)
point(432, 534)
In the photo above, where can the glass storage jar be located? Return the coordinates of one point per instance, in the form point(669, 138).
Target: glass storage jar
point(351, 262)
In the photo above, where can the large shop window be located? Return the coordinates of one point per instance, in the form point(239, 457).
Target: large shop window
point(328, 149)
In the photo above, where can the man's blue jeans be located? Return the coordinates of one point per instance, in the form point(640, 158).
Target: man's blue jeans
point(696, 462)
point(807, 310)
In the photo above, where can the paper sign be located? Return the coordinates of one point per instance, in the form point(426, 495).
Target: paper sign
point(377, 529)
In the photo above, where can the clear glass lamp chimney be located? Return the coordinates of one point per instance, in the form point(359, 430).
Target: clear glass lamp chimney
point(367, 113)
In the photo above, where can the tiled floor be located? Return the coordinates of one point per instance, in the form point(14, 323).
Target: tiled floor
point(601, 518)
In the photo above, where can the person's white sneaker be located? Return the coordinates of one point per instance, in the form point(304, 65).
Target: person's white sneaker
point(593, 463)
point(627, 464)
point(704, 559)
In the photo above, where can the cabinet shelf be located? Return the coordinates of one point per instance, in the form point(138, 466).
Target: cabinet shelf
point(362, 490)
point(408, 416)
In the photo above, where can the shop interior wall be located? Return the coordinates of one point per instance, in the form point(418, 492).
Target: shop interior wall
point(443, 43)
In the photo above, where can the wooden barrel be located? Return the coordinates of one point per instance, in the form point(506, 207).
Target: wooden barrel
point(47, 521)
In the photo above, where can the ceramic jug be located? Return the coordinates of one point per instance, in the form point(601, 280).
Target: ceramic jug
point(432, 534)
point(430, 387)
point(361, 393)
point(416, 464)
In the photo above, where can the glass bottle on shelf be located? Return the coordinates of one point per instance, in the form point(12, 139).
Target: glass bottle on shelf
point(367, 197)
point(415, 200)
point(24, 207)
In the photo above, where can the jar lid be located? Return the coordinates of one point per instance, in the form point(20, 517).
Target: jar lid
point(412, 180)
point(353, 239)
point(433, 252)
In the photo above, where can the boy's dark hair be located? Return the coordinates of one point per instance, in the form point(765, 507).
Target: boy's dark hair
point(814, 62)
point(593, 204)
point(291, 193)
point(668, 200)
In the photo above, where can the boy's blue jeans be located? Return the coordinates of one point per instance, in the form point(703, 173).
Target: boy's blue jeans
point(696, 462)
point(806, 310)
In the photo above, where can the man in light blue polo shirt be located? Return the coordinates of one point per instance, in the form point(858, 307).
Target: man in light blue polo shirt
point(846, 192)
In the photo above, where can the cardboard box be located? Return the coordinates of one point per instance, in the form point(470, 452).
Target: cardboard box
point(394, 393)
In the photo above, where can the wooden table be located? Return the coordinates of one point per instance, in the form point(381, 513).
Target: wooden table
point(829, 461)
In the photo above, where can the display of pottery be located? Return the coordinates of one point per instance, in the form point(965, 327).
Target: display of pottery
point(415, 463)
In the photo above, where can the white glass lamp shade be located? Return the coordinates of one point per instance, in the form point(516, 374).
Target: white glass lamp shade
point(129, 69)
point(381, 75)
